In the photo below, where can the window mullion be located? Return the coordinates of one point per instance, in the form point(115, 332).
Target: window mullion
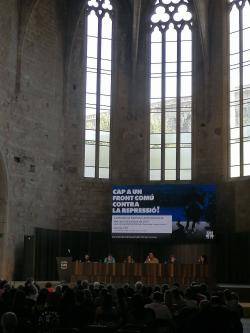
point(167, 62)
point(163, 114)
point(241, 93)
point(178, 105)
point(98, 97)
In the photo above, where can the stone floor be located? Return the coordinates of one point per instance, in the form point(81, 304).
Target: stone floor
point(246, 325)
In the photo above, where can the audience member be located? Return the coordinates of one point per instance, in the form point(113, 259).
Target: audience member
point(161, 311)
point(109, 259)
point(28, 309)
point(151, 259)
point(9, 322)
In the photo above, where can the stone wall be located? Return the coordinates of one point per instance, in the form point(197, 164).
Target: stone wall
point(130, 122)
point(88, 203)
point(31, 119)
point(41, 113)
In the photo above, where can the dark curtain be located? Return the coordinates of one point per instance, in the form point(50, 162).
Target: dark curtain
point(233, 258)
point(231, 252)
point(46, 251)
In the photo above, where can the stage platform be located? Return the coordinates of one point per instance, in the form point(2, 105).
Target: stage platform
point(243, 290)
point(41, 284)
point(246, 325)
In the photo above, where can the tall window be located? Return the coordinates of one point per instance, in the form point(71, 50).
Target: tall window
point(97, 108)
point(239, 18)
point(171, 91)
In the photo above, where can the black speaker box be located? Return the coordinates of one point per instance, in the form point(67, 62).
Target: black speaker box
point(29, 257)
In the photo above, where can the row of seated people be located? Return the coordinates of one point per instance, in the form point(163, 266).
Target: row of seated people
point(150, 259)
point(97, 307)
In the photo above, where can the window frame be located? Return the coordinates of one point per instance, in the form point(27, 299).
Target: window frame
point(113, 15)
point(240, 7)
point(150, 28)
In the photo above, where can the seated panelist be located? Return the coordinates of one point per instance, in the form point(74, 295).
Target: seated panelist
point(151, 259)
point(86, 258)
point(172, 259)
point(109, 259)
point(129, 260)
point(202, 260)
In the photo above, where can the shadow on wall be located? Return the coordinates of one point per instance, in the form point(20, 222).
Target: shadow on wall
point(3, 211)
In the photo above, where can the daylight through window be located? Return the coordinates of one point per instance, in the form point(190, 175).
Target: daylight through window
point(97, 111)
point(239, 88)
point(171, 91)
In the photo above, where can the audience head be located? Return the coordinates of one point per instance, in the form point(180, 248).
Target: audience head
point(218, 299)
point(172, 258)
point(157, 297)
point(42, 297)
point(120, 293)
point(176, 285)
point(9, 322)
point(123, 303)
point(3, 283)
point(138, 286)
point(87, 257)
point(151, 255)
point(58, 289)
point(130, 259)
point(204, 304)
point(157, 288)
point(49, 287)
point(203, 259)
point(85, 284)
point(96, 285)
point(164, 288)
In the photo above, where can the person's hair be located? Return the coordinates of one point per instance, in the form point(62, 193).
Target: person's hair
point(85, 284)
point(9, 322)
point(48, 285)
point(42, 297)
point(3, 283)
point(19, 298)
point(96, 285)
point(204, 304)
point(204, 257)
point(157, 296)
point(164, 288)
point(138, 285)
point(87, 295)
point(176, 285)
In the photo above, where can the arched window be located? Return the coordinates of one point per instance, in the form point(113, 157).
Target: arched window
point(171, 91)
point(239, 19)
point(98, 71)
